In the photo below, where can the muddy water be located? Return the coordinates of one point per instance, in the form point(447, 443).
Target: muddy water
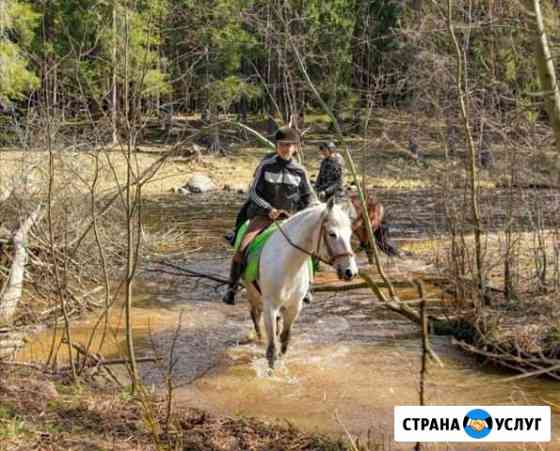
point(350, 360)
point(349, 364)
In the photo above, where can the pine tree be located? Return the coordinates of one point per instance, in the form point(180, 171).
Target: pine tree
point(18, 21)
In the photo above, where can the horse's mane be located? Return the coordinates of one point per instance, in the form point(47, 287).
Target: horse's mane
point(295, 217)
point(346, 209)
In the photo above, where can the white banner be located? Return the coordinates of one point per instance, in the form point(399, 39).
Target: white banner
point(472, 424)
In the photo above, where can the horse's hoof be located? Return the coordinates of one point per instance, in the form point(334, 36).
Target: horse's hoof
point(271, 356)
point(247, 340)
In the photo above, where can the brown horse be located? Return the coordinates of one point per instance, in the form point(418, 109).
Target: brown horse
point(375, 212)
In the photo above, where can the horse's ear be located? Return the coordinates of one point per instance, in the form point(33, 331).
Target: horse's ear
point(330, 203)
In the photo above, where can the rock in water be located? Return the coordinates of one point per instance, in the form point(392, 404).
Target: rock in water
point(182, 190)
point(200, 183)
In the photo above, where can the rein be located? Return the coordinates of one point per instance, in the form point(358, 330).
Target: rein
point(332, 257)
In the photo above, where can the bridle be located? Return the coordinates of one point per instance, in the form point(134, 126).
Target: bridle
point(316, 254)
point(332, 256)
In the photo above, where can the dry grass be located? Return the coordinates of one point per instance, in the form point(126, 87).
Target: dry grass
point(209, 432)
point(43, 412)
point(78, 169)
point(529, 322)
point(236, 169)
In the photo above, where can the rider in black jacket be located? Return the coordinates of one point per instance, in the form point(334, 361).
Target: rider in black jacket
point(281, 186)
point(330, 178)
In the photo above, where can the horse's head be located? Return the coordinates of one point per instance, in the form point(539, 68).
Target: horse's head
point(337, 232)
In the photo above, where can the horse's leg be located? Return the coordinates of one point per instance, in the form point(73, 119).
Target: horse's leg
point(270, 314)
point(290, 315)
point(256, 314)
point(278, 325)
point(256, 310)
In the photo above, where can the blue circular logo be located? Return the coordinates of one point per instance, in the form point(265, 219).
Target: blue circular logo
point(477, 423)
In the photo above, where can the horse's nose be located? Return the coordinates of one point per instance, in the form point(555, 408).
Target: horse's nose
point(348, 274)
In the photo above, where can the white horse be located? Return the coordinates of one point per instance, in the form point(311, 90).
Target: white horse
point(284, 278)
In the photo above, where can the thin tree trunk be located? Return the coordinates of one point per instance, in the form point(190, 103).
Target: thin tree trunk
point(473, 171)
point(114, 139)
point(129, 214)
point(50, 190)
point(545, 69)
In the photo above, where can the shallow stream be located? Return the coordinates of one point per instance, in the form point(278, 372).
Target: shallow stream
point(350, 362)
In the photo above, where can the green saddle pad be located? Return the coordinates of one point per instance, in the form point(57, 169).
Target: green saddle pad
point(251, 272)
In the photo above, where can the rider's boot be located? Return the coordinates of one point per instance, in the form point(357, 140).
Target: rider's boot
point(230, 238)
point(234, 276)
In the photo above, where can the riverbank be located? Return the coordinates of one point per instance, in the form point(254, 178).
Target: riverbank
point(38, 411)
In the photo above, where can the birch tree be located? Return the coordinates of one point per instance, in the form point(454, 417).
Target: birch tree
point(11, 292)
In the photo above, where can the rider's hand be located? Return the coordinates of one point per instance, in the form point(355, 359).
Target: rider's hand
point(273, 214)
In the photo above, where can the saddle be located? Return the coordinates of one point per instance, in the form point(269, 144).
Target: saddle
point(251, 257)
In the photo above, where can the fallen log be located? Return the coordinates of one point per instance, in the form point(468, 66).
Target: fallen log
point(515, 362)
point(34, 366)
point(190, 272)
point(323, 287)
point(327, 287)
point(11, 292)
point(95, 362)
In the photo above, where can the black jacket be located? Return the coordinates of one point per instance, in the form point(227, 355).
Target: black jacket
point(279, 184)
point(330, 177)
